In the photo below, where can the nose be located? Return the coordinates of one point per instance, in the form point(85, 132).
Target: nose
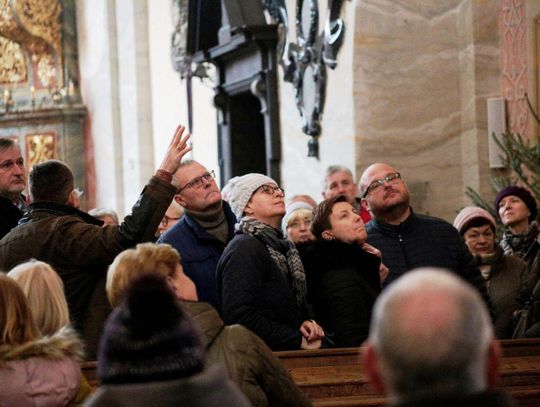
point(18, 169)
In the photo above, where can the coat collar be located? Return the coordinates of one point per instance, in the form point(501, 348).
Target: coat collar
point(58, 210)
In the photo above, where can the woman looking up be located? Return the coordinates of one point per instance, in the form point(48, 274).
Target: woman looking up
point(260, 277)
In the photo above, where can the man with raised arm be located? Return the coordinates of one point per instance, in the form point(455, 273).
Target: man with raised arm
point(75, 244)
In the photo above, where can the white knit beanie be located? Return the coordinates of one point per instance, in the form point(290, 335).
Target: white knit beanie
point(242, 188)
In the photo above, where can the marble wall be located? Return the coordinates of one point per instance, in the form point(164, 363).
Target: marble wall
point(422, 72)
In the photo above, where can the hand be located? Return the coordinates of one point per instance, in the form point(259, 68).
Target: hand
point(383, 272)
point(311, 331)
point(176, 150)
point(310, 345)
point(370, 249)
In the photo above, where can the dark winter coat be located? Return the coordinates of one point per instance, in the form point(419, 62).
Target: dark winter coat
point(504, 285)
point(80, 250)
point(199, 251)
point(343, 282)
point(251, 364)
point(253, 292)
point(424, 241)
point(9, 216)
point(211, 388)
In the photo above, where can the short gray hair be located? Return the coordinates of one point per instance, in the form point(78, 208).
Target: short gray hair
point(331, 170)
point(421, 352)
point(6, 143)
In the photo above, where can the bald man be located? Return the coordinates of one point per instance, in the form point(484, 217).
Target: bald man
point(405, 239)
point(431, 343)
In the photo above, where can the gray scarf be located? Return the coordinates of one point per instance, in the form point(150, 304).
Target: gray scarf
point(282, 251)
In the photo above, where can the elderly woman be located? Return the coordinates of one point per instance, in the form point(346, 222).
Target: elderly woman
point(503, 274)
point(342, 272)
point(260, 277)
point(34, 370)
point(296, 223)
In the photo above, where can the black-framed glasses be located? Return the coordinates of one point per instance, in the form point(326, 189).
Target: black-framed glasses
point(197, 182)
point(391, 179)
point(270, 189)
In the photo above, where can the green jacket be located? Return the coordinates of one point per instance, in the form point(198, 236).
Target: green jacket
point(250, 363)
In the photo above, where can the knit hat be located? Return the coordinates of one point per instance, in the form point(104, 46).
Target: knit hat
point(467, 214)
point(242, 188)
point(290, 209)
point(522, 194)
point(149, 337)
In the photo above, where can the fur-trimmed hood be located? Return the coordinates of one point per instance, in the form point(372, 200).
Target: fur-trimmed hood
point(64, 343)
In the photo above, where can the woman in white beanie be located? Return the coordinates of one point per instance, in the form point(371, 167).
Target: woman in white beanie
point(504, 275)
point(260, 277)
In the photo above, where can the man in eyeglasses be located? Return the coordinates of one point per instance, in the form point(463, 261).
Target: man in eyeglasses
point(12, 184)
point(173, 214)
point(205, 229)
point(408, 240)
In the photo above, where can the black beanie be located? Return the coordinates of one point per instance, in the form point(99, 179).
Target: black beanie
point(522, 194)
point(149, 337)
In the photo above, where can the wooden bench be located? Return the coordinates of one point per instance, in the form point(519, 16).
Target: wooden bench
point(336, 377)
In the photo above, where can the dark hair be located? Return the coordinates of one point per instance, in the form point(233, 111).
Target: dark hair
point(476, 223)
point(6, 143)
point(51, 181)
point(321, 215)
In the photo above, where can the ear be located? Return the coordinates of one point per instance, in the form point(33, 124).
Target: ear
point(72, 199)
point(492, 363)
point(371, 364)
point(327, 235)
point(180, 200)
point(247, 209)
point(365, 204)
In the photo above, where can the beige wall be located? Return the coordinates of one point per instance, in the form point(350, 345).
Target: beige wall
point(422, 72)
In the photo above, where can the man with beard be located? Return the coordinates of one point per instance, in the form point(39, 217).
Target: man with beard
point(12, 184)
point(205, 229)
point(408, 240)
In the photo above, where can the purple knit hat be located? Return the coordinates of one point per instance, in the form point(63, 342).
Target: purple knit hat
point(522, 194)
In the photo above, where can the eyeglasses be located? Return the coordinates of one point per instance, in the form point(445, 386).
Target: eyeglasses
point(270, 189)
point(166, 219)
point(197, 182)
point(391, 179)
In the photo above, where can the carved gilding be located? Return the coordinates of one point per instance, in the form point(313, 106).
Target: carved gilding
point(35, 25)
point(40, 147)
point(12, 64)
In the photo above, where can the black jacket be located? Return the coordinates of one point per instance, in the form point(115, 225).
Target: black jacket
point(424, 241)
point(9, 216)
point(253, 292)
point(343, 282)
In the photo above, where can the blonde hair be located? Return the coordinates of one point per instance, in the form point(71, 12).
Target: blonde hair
point(146, 258)
point(45, 293)
point(302, 213)
point(17, 325)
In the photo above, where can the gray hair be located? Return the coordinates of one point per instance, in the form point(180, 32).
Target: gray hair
point(331, 170)
point(100, 213)
point(6, 143)
point(431, 332)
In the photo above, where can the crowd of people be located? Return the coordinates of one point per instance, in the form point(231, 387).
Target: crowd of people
point(189, 294)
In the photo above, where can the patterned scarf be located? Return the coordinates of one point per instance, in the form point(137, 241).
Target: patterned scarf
point(519, 244)
point(282, 251)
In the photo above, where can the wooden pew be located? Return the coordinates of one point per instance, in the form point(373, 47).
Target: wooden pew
point(335, 377)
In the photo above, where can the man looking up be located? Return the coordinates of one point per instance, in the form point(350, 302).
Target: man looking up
point(431, 343)
point(75, 244)
point(12, 184)
point(204, 230)
point(339, 181)
point(407, 240)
